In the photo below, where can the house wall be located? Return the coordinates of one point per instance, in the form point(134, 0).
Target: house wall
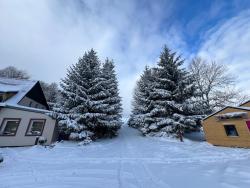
point(20, 139)
point(26, 102)
point(216, 135)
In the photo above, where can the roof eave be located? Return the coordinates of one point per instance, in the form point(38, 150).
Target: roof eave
point(26, 109)
point(240, 108)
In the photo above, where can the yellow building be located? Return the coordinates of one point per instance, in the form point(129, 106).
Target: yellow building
point(229, 126)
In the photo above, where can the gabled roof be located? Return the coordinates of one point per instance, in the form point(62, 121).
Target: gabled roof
point(239, 108)
point(36, 93)
point(22, 88)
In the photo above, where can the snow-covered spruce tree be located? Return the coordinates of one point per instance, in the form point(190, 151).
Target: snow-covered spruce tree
point(84, 99)
point(169, 104)
point(113, 108)
point(141, 99)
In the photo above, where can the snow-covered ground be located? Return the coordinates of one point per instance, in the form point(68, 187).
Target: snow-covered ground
point(128, 161)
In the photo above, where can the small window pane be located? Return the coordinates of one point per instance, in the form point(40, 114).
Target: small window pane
point(231, 130)
point(10, 127)
point(36, 128)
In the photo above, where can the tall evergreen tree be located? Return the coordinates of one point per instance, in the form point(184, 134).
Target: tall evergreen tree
point(168, 97)
point(84, 98)
point(141, 100)
point(173, 87)
point(112, 119)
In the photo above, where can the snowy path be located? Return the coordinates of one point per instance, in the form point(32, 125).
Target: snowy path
point(128, 161)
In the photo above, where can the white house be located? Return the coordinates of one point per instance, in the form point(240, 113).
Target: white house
point(24, 114)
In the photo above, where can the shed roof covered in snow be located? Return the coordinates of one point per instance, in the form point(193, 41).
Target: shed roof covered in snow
point(232, 115)
point(237, 108)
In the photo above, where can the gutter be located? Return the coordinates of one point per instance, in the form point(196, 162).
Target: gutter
point(25, 108)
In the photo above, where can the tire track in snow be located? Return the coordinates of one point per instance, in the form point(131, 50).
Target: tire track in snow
point(146, 178)
point(155, 179)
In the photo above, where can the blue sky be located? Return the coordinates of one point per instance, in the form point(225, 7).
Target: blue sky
point(45, 37)
point(197, 17)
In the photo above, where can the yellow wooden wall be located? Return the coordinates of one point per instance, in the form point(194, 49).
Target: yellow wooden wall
point(216, 135)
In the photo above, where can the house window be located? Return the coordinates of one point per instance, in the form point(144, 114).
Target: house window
point(9, 127)
point(35, 127)
point(30, 105)
point(231, 130)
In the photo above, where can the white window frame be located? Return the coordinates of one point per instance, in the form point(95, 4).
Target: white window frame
point(31, 124)
point(4, 123)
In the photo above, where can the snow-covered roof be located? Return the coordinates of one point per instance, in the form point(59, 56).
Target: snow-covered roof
point(232, 115)
point(243, 108)
point(22, 87)
point(238, 108)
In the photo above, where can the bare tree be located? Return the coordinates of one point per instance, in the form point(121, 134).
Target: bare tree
point(13, 72)
point(51, 92)
point(215, 86)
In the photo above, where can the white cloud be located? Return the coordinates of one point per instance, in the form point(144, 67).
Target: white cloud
point(44, 37)
point(228, 43)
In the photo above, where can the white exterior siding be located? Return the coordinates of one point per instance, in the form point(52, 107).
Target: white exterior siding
point(20, 139)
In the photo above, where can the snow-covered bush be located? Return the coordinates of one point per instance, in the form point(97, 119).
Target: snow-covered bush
point(81, 136)
point(42, 140)
point(85, 137)
point(86, 141)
